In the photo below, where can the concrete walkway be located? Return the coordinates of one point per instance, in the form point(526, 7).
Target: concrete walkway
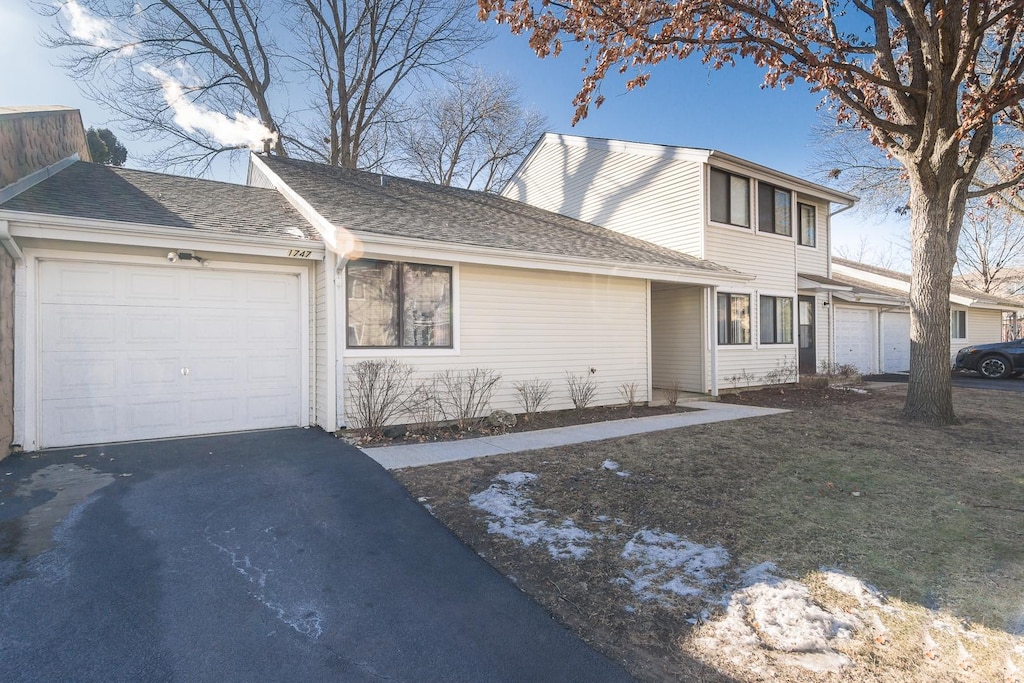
point(415, 455)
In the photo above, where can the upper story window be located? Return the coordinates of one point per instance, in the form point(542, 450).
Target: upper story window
point(808, 213)
point(398, 305)
point(733, 318)
point(774, 210)
point(958, 324)
point(730, 198)
point(776, 320)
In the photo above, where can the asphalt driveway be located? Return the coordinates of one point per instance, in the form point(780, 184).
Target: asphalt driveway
point(271, 556)
point(965, 381)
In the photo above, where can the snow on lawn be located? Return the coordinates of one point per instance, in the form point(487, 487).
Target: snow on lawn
point(513, 514)
point(665, 564)
point(768, 614)
point(613, 466)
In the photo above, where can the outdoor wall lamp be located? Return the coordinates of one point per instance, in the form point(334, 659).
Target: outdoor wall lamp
point(175, 256)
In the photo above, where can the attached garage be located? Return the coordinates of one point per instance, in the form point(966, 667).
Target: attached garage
point(855, 338)
point(895, 341)
point(139, 351)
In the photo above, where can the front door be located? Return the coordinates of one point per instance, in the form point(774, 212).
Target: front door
point(808, 359)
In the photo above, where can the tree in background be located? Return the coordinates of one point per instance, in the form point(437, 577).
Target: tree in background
point(105, 148)
point(930, 82)
point(322, 79)
point(473, 133)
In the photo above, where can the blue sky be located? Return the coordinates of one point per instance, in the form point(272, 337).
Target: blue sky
point(684, 104)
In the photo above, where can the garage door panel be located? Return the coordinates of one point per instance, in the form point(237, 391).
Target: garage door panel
point(78, 423)
point(77, 283)
point(896, 342)
point(111, 368)
point(152, 286)
point(68, 328)
point(80, 375)
point(149, 328)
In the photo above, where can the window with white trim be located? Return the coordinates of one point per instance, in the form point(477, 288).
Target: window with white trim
point(776, 320)
point(394, 305)
point(733, 318)
point(774, 209)
point(958, 324)
point(808, 214)
point(730, 198)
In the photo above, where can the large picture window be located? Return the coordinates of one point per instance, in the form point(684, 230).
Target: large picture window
point(733, 318)
point(776, 321)
point(774, 210)
point(730, 198)
point(398, 305)
point(808, 224)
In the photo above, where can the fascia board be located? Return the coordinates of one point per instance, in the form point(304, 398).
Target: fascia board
point(47, 226)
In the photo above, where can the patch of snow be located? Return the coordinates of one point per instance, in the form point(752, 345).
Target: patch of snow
point(602, 518)
point(513, 515)
point(865, 594)
point(770, 614)
point(623, 474)
point(668, 565)
point(610, 465)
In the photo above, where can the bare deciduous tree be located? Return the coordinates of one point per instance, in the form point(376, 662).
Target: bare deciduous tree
point(316, 78)
point(472, 134)
point(929, 82)
point(991, 248)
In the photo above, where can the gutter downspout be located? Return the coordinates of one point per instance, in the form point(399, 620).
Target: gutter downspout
point(336, 345)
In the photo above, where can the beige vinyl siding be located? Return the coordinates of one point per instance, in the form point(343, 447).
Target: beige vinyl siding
point(318, 341)
point(740, 367)
point(813, 260)
point(657, 200)
point(676, 337)
point(529, 324)
point(768, 257)
point(983, 327)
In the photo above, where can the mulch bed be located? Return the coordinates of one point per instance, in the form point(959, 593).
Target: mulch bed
point(797, 397)
point(545, 420)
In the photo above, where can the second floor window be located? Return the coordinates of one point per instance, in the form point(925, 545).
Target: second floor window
point(733, 318)
point(808, 224)
point(776, 320)
point(774, 210)
point(398, 305)
point(730, 198)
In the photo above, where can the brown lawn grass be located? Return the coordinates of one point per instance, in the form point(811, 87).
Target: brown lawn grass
point(937, 525)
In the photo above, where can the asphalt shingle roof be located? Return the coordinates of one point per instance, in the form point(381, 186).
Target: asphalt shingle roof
point(86, 190)
point(386, 205)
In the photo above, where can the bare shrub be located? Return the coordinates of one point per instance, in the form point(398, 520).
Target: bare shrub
point(672, 392)
point(844, 370)
point(784, 373)
point(743, 377)
point(628, 390)
point(423, 404)
point(533, 395)
point(582, 389)
point(376, 391)
point(465, 395)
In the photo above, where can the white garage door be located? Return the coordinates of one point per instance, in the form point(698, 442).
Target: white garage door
point(136, 352)
point(855, 338)
point(896, 342)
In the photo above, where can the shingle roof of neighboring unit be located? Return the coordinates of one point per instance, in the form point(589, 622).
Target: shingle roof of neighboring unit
point(85, 190)
point(871, 287)
point(369, 203)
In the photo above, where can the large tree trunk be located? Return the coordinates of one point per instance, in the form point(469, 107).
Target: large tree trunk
point(937, 205)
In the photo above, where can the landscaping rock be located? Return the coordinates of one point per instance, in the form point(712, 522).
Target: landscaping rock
point(501, 418)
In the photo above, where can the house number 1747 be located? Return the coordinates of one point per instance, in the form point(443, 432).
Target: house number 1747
point(300, 253)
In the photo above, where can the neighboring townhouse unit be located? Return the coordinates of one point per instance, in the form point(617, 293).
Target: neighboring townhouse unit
point(872, 317)
point(32, 139)
point(710, 205)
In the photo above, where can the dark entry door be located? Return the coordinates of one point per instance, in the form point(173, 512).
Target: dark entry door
point(805, 327)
